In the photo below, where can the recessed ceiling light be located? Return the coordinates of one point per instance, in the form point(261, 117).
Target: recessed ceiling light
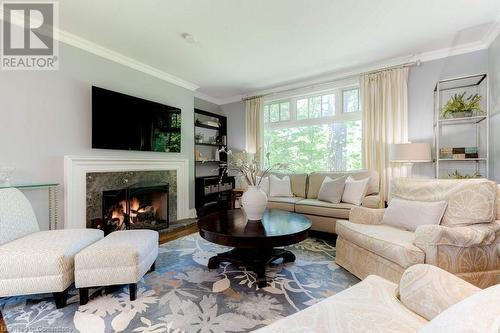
point(188, 38)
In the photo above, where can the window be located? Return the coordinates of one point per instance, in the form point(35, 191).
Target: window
point(276, 112)
point(351, 100)
point(317, 132)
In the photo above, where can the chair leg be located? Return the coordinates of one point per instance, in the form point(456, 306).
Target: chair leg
point(84, 296)
point(132, 290)
point(153, 267)
point(61, 298)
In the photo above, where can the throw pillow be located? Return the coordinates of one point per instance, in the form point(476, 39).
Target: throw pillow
point(409, 215)
point(280, 187)
point(264, 184)
point(475, 314)
point(355, 190)
point(331, 190)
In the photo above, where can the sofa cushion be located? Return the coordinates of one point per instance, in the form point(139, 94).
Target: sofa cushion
point(355, 190)
point(331, 190)
point(283, 203)
point(372, 201)
point(322, 208)
point(298, 182)
point(479, 313)
point(409, 215)
point(280, 187)
point(391, 243)
point(470, 201)
point(369, 306)
point(429, 290)
point(44, 254)
point(316, 179)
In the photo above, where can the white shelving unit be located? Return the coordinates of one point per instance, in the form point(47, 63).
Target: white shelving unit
point(462, 132)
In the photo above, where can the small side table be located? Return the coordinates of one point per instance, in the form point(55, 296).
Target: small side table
point(52, 192)
point(236, 193)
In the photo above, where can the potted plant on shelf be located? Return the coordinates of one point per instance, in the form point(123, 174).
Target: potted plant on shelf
point(248, 167)
point(198, 138)
point(458, 106)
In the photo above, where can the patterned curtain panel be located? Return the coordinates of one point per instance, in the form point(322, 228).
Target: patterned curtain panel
point(385, 121)
point(253, 124)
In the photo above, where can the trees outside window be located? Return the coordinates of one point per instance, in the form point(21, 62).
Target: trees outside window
point(319, 132)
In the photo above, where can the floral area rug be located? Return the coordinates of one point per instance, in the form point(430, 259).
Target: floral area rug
point(183, 295)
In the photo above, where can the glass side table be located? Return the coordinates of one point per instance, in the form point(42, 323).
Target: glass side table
point(52, 192)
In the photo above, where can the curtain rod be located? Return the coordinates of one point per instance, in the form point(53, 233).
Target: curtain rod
point(408, 64)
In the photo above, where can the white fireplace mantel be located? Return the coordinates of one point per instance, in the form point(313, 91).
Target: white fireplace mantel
point(75, 185)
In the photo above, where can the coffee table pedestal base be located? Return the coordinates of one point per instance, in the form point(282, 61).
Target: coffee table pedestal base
point(253, 260)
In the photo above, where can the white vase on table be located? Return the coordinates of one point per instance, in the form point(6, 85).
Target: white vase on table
point(254, 203)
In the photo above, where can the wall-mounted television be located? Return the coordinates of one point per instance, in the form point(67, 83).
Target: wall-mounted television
point(125, 122)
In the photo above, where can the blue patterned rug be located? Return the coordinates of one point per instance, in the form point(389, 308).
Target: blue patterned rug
point(182, 295)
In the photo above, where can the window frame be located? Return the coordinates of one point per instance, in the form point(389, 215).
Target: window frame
point(338, 116)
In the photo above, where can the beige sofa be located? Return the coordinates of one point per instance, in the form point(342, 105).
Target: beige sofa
point(471, 251)
point(323, 215)
point(427, 299)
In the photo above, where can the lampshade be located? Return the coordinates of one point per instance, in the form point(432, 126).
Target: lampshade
point(410, 152)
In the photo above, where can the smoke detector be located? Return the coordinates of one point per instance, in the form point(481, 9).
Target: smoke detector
point(188, 38)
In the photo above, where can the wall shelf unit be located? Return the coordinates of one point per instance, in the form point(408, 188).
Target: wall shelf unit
point(461, 144)
point(212, 188)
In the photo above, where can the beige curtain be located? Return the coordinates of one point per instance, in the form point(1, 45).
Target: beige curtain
point(253, 124)
point(385, 121)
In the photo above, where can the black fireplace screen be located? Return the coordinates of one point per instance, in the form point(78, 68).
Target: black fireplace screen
point(138, 206)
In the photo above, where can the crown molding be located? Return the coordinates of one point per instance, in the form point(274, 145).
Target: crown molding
point(208, 98)
point(86, 45)
point(482, 44)
point(493, 33)
point(103, 52)
point(91, 47)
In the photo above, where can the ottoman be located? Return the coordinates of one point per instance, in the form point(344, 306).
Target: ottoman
point(122, 257)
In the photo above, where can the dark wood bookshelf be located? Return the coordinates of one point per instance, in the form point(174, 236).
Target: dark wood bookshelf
point(212, 192)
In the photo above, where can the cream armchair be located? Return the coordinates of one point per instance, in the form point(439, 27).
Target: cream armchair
point(365, 246)
point(427, 300)
point(34, 261)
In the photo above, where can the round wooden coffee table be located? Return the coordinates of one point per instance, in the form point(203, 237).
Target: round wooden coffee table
point(255, 242)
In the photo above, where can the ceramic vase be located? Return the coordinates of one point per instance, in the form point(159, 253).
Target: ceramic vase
point(254, 202)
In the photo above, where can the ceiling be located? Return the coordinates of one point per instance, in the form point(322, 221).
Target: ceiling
point(245, 46)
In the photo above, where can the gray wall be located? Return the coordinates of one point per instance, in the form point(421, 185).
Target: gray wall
point(235, 113)
point(494, 70)
point(421, 83)
point(207, 106)
point(47, 114)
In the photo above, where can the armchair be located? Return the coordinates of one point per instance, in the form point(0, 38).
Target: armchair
point(470, 251)
point(34, 261)
point(428, 299)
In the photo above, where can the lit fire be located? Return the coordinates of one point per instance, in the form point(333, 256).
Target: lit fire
point(135, 209)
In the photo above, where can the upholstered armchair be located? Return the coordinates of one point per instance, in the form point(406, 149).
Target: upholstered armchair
point(34, 261)
point(470, 251)
point(427, 299)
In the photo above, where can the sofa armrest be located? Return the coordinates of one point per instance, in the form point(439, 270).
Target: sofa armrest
point(362, 215)
point(372, 201)
point(428, 290)
point(473, 235)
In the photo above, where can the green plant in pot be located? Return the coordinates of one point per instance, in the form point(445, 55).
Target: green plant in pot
point(459, 106)
point(198, 138)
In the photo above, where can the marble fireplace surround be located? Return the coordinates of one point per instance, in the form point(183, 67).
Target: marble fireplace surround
point(77, 167)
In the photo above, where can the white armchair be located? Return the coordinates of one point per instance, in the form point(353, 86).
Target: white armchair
point(34, 261)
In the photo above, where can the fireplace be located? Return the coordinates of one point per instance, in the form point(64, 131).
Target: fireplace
point(138, 206)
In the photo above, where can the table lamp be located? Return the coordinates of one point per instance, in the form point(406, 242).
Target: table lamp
point(410, 153)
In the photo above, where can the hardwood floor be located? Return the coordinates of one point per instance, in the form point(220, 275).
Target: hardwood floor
point(3, 328)
point(177, 233)
point(164, 238)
